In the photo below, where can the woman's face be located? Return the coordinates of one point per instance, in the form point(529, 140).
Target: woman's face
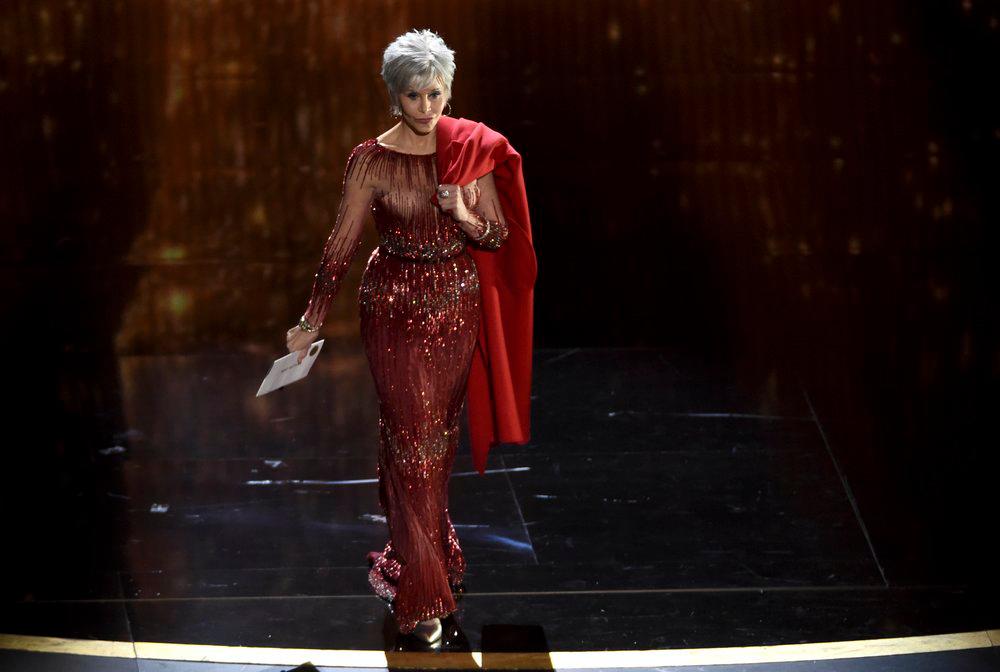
point(422, 107)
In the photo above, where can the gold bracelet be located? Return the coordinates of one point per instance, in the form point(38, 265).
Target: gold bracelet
point(486, 232)
point(305, 326)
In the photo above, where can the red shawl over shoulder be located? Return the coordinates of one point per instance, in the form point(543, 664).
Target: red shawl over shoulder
point(499, 391)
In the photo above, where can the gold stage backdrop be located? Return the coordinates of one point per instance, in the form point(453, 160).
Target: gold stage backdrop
point(799, 185)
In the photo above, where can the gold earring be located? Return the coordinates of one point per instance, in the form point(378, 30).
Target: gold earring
point(448, 113)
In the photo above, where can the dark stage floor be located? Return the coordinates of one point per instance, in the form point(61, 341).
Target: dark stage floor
point(663, 503)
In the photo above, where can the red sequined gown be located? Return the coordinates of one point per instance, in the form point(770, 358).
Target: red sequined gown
point(419, 308)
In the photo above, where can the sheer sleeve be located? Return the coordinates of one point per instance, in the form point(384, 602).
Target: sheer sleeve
point(488, 212)
point(342, 244)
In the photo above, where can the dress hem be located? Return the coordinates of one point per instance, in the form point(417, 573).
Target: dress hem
point(385, 590)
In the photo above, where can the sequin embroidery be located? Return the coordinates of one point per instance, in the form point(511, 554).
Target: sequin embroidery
point(420, 313)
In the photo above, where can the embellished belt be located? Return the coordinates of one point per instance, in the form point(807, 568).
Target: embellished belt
point(425, 256)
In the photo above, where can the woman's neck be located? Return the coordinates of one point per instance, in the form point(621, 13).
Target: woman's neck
point(405, 139)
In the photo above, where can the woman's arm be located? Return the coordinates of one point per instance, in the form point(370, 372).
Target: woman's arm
point(342, 244)
point(487, 216)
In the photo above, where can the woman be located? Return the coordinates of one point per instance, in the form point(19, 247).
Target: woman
point(424, 312)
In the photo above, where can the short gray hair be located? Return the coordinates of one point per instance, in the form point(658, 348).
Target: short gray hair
point(417, 58)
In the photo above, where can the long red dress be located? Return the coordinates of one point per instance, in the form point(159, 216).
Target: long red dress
point(420, 315)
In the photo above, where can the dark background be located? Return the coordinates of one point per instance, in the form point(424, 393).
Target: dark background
point(803, 189)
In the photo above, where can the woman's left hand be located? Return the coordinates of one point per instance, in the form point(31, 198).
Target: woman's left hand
point(454, 202)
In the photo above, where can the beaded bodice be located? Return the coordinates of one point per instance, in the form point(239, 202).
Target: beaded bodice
point(397, 187)
point(407, 227)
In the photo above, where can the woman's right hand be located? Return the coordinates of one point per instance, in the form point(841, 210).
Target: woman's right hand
point(298, 340)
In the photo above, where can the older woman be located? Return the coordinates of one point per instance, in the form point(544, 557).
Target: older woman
point(422, 315)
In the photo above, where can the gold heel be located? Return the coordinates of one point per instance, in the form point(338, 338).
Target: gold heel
point(429, 631)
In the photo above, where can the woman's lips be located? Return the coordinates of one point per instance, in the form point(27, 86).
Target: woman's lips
point(424, 121)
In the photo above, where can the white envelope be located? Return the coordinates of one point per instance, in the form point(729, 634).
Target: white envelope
point(287, 369)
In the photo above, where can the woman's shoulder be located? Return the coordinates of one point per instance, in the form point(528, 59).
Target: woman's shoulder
point(364, 146)
point(361, 153)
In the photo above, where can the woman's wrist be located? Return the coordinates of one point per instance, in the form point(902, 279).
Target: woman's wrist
point(478, 226)
point(307, 326)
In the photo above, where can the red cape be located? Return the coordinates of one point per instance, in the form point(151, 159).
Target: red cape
point(499, 391)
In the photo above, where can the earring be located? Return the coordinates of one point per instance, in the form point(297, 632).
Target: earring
point(448, 113)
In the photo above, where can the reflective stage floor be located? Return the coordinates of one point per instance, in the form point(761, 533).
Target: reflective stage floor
point(663, 505)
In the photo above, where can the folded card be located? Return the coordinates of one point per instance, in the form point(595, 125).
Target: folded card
point(286, 370)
